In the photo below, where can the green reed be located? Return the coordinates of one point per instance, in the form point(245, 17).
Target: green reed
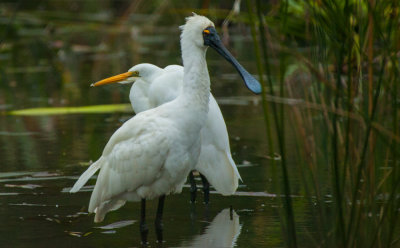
point(339, 60)
point(277, 114)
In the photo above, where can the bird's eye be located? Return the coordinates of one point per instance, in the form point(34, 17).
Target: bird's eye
point(135, 74)
point(206, 31)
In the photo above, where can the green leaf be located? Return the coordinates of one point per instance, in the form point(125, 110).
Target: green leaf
point(94, 109)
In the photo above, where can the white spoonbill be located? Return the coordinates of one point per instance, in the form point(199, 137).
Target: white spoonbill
point(154, 86)
point(151, 154)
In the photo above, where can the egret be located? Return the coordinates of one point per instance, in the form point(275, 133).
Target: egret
point(154, 86)
point(151, 154)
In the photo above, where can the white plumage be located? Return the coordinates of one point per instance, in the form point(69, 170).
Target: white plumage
point(152, 153)
point(156, 86)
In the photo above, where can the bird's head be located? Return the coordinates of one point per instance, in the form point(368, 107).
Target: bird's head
point(198, 31)
point(141, 71)
point(201, 32)
point(194, 29)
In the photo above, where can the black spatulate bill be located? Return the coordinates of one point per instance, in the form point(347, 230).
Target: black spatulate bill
point(211, 39)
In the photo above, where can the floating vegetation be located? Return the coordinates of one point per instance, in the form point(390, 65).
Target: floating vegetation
point(95, 109)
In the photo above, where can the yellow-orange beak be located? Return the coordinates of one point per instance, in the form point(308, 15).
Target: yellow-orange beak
point(115, 79)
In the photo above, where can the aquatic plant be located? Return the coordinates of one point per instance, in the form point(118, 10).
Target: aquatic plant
point(336, 66)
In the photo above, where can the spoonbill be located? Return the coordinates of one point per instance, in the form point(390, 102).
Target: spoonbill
point(151, 154)
point(154, 86)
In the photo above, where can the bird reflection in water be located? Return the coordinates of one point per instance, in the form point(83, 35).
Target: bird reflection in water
point(223, 231)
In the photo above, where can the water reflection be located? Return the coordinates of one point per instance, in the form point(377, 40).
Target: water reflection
point(223, 231)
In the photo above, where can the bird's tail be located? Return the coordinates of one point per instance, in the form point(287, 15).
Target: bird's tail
point(219, 169)
point(235, 169)
point(86, 176)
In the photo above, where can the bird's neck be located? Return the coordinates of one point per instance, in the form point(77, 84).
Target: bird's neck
point(196, 80)
point(139, 96)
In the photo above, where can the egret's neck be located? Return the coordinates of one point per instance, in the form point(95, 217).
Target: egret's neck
point(196, 80)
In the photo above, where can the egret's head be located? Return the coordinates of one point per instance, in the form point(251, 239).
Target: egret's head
point(141, 71)
point(200, 32)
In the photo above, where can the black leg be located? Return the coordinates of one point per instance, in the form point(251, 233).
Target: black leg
point(193, 213)
point(144, 230)
point(206, 189)
point(206, 212)
point(158, 223)
point(193, 187)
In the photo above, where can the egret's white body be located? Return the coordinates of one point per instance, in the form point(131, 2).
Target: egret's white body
point(157, 86)
point(151, 154)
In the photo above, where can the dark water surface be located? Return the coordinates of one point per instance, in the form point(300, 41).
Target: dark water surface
point(51, 63)
point(40, 164)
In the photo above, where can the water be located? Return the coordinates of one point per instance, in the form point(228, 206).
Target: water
point(52, 64)
point(40, 165)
